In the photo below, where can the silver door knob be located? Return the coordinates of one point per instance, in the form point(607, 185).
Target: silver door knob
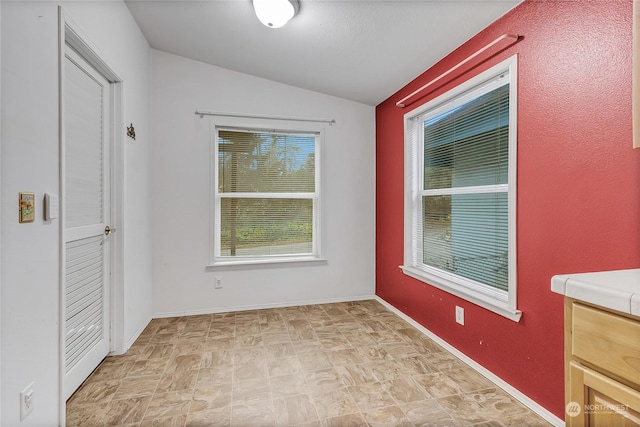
point(108, 230)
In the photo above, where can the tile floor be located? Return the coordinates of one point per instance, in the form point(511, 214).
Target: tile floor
point(342, 364)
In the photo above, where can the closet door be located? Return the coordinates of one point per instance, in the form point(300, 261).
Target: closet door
point(86, 196)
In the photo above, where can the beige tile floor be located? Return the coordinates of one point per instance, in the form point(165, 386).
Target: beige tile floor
point(342, 364)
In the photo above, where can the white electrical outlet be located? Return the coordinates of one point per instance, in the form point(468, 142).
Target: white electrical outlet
point(460, 315)
point(218, 282)
point(26, 401)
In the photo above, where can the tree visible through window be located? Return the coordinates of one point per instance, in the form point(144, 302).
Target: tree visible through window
point(266, 194)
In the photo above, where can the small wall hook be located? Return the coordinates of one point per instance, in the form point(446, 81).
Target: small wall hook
point(131, 132)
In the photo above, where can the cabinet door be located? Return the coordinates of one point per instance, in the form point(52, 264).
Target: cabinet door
point(597, 400)
point(607, 341)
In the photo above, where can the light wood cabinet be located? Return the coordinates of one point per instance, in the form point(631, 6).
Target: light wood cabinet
point(602, 366)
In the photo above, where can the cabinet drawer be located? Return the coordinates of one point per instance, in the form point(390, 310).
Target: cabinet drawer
point(600, 400)
point(606, 340)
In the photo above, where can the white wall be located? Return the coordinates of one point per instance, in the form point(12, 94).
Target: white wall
point(30, 159)
point(181, 283)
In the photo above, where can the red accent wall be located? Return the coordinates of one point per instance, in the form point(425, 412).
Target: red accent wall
point(578, 185)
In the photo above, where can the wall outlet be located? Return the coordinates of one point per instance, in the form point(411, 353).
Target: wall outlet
point(459, 315)
point(26, 401)
point(218, 282)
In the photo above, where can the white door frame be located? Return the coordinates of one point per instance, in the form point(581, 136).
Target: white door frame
point(69, 34)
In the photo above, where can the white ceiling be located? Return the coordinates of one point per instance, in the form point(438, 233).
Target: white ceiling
point(362, 50)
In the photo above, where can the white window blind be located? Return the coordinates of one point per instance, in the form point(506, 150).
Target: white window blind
point(266, 197)
point(464, 199)
point(461, 192)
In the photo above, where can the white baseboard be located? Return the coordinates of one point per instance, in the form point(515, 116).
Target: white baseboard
point(128, 344)
point(135, 336)
point(515, 393)
point(260, 306)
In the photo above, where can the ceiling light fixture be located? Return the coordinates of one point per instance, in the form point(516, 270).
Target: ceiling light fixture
point(275, 13)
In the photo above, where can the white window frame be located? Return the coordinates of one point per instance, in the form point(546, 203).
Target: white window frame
point(216, 259)
point(495, 300)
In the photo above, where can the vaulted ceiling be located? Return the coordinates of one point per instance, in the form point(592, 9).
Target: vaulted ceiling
point(362, 50)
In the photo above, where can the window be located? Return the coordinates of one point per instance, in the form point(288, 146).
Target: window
point(460, 191)
point(266, 204)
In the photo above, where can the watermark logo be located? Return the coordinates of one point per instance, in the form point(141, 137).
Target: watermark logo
point(605, 409)
point(573, 409)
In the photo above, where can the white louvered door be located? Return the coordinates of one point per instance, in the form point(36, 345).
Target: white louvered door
point(86, 195)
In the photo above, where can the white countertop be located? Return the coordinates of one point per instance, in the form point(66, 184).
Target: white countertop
point(617, 290)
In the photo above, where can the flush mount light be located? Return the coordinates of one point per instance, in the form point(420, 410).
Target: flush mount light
point(275, 13)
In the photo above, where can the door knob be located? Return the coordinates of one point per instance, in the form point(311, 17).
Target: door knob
point(108, 230)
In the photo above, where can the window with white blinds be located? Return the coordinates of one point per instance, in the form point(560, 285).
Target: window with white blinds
point(266, 196)
point(460, 190)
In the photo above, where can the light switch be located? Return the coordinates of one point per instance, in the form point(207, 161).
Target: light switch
point(50, 206)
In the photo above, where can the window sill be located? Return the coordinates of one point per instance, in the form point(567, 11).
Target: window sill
point(257, 262)
point(475, 297)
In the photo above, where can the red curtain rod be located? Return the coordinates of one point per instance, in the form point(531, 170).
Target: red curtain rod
point(403, 102)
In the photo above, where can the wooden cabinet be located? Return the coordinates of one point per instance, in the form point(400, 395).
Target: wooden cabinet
point(602, 366)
